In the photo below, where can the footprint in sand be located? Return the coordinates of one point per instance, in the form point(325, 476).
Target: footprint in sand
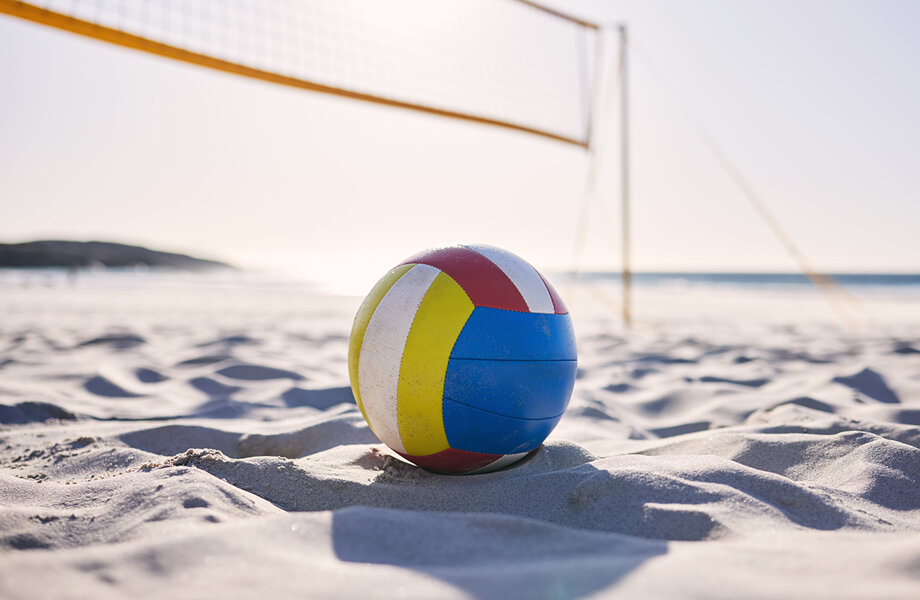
point(208, 359)
point(257, 373)
point(230, 340)
point(116, 341)
point(320, 399)
point(871, 384)
point(145, 375)
point(33, 412)
point(102, 386)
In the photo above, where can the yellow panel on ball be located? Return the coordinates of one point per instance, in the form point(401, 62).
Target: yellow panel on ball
point(439, 320)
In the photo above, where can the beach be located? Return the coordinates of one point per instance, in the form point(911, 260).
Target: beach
point(174, 438)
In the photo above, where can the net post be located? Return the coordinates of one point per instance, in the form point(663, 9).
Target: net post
point(624, 179)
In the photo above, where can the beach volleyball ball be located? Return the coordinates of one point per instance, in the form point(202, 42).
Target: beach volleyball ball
point(462, 359)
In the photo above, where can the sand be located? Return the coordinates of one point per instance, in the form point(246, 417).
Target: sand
point(201, 441)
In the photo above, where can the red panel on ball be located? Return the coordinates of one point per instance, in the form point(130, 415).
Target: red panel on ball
point(558, 305)
point(485, 283)
point(453, 461)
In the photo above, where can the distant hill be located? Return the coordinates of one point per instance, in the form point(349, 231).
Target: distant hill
point(53, 253)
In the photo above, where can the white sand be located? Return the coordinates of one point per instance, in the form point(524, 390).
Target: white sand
point(196, 442)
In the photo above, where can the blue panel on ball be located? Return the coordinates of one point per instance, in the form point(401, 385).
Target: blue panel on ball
point(523, 389)
point(476, 430)
point(509, 335)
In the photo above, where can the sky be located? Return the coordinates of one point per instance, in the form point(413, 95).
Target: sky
point(814, 101)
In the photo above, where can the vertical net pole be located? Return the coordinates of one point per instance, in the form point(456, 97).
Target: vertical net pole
point(624, 180)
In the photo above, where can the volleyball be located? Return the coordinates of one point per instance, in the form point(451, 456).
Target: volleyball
point(462, 359)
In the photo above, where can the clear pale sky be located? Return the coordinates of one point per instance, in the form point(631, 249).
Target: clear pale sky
point(816, 101)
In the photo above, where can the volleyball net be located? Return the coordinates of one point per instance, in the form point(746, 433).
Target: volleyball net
point(514, 64)
point(507, 63)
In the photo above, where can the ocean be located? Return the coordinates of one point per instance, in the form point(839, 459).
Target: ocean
point(899, 283)
point(892, 281)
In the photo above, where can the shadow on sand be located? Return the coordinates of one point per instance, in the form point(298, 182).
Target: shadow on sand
point(490, 555)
